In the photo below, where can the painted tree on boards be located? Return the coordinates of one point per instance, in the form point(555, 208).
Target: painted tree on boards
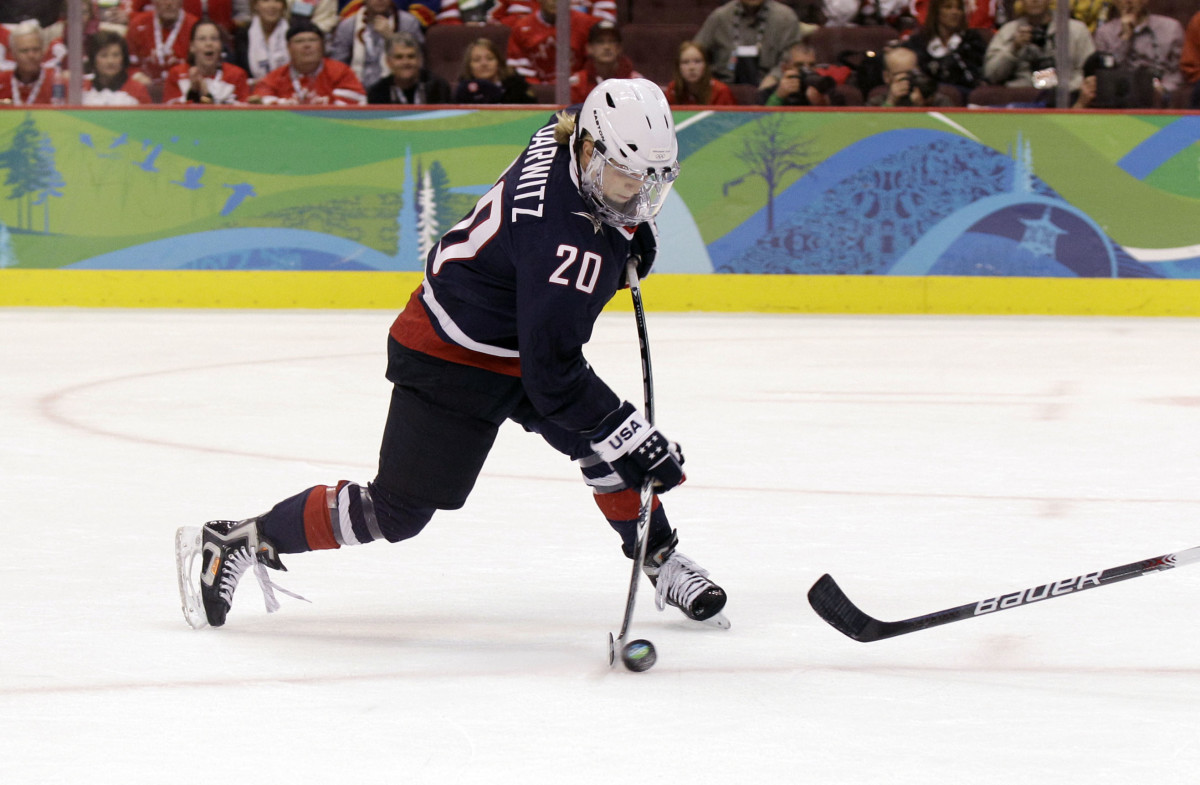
point(448, 213)
point(50, 184)
point(24, 164)
point(437, 209)
point(770, 153)
point(427, 228)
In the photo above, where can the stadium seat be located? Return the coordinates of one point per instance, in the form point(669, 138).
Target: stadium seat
point(745, 94)
point(1000, 96)
point(544, 94)
point(829, 42)
point(653, 47)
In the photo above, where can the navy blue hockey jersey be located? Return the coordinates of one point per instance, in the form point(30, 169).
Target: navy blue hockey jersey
point(517, 285)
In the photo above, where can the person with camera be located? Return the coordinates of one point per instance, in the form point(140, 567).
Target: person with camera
point(796, 82)
point(1144, 45)
point(1022, 52)
point(947, 50)
point(361, 40)
point(905, 84)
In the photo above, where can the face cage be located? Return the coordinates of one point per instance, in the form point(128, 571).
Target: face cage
point(639, 208)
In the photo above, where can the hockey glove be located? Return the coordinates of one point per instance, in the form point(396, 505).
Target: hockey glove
point(644, 246)
point(637, 450)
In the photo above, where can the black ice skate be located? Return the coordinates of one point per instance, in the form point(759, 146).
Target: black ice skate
point(681, 582)
point(225, 550)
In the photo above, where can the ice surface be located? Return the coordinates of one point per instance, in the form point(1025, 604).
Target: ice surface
point(924, 462)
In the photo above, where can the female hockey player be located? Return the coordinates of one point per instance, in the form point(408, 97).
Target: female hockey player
point(495, 332)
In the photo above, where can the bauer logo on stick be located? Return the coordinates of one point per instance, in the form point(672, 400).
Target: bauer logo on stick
point(1065, 586)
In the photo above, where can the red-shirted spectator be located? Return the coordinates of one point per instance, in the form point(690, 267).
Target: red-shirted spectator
point(110, 83)
point(427, 12)
point(604, 61)
point(311, 78)
point(508, 12)
point(6, 61)
point(694, 83)
point(532, 50)
point(981, 14)
point(30, 82)
point(219, 11)
point(158, 40)
point(205, 79)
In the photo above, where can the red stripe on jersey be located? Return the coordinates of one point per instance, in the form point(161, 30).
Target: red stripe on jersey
point(622, 505)
point(413, 329)
point(318, 531)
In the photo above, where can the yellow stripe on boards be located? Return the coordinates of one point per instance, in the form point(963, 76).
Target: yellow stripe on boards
point(663, 292)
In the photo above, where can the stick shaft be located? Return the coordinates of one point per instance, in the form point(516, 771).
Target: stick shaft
point(647, 493)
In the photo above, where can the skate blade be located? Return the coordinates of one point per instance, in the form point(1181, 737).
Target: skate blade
point(188, 546)
point(719, 621)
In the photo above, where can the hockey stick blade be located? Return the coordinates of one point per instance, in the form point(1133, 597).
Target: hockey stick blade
point(832, 604)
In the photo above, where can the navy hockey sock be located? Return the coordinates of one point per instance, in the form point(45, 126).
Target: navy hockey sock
point(621, 510)
point(324, 517)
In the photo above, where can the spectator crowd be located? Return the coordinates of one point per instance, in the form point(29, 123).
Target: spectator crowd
point(1118, 53)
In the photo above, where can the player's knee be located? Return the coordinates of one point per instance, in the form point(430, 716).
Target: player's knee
point(398, 518)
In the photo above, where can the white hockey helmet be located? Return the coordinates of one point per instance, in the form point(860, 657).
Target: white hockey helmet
point(635, 158)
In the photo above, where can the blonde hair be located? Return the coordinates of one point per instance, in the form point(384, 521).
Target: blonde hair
point(565, 128)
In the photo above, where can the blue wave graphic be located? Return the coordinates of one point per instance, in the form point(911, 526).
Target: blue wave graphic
point(248, 249)
point(1162, 146)
point(1178, 268)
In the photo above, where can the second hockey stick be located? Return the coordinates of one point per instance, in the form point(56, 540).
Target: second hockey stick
point(647, 499)
point(832, 604)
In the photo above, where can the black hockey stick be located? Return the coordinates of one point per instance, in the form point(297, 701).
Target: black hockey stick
point(643, 522)
point(832, 604)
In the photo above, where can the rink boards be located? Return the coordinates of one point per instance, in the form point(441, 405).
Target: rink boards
point(972, 211)
point(664, 292)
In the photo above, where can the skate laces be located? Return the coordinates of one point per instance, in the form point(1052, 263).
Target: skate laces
point(236, 562)
point(269, 588)
point(680, 580)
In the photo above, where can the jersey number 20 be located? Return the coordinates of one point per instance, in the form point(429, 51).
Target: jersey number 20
point(589, 268)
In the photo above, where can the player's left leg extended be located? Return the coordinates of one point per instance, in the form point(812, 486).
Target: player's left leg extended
point(441, 425)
